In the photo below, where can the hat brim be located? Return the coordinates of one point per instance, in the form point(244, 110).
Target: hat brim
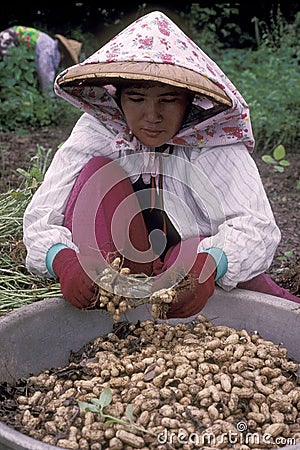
point(71, 55)
point(112, 72)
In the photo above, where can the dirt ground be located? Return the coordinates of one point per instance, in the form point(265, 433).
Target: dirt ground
point(16, 151)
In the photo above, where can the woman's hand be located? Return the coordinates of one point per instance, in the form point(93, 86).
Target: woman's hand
point(198, 284)
point(196, 289)
point(76, 286)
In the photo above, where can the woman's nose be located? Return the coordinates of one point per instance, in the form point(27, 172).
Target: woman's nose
point(153, 112)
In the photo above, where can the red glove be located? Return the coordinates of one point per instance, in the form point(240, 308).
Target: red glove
point(192, 298)
point(76, 286)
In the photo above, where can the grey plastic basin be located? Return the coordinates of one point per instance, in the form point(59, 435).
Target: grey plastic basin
point(41, 336)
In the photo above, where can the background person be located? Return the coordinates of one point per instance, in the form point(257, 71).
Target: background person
point(161, 119)
point(50, 53)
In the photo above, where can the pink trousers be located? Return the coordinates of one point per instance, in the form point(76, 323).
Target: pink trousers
point(119, 203)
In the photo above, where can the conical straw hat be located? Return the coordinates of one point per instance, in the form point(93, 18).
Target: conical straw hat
point(104, 73)
point(71, 49)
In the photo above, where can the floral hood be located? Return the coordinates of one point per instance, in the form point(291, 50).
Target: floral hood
point(155, 38)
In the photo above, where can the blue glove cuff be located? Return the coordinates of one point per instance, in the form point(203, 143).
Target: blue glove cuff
point(220, 260)
point(52, 252)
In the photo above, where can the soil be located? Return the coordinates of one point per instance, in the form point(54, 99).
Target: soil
point(16, 151)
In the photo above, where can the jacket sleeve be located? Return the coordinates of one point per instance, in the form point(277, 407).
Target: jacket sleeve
point(243, 226)
point(44, 216)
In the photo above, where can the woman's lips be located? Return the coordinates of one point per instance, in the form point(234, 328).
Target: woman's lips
point(151, 133)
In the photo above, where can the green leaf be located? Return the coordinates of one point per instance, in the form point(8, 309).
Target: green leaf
point(105, 397)
point(129, 412)
point(36, 173)
point(268, 159)
point(110, 421)
point(279, 152)
point(88, 407)
point(18, 195)
point(279, 169)
point(284, 162)
point(97, 402)
point(289, 253)
point(23, 172)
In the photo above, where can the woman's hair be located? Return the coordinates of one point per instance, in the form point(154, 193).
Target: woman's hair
point(146, 84)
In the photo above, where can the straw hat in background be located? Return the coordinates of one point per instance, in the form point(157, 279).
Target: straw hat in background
point(70, 48)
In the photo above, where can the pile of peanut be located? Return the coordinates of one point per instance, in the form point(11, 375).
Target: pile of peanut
point(190, 385)
point(114, 293)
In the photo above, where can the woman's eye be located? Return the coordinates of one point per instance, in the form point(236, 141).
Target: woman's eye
point(139, 99)
point(169, 100)
point(136, 99)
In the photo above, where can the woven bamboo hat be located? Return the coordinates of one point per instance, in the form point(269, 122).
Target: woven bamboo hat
point(104, 73)
point(71, 49)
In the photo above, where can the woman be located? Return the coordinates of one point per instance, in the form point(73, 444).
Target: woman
point(49, 53)
point(158, 170)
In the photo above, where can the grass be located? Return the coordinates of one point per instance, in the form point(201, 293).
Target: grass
point(18, 287)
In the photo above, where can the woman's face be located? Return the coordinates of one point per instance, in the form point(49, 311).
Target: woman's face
point(154, 114)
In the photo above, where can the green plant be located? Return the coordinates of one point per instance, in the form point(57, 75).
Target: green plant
point(215, 27)
point(268, 78)
point(98, 405)
point(278, 32)
point(35, 175)
point(286, 255)
point(20, 99)
point(21, 102)
point(278, 158)
point(18, 286)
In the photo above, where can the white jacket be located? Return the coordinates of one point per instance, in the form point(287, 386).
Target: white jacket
point(231, 201)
